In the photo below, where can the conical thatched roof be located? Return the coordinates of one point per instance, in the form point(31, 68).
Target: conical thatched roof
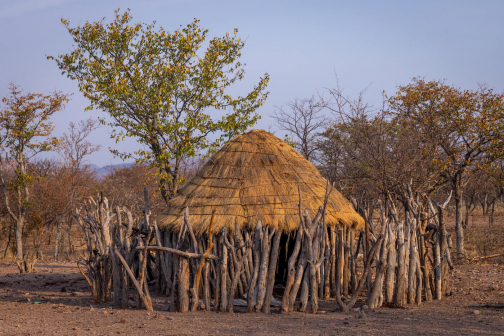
point(255, 176)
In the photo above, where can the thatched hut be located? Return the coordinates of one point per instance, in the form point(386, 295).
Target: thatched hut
point(255, 176)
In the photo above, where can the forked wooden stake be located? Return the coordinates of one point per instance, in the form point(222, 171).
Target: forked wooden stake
point(202, 264)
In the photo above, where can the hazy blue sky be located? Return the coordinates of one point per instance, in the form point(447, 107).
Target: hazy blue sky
point(301, 44)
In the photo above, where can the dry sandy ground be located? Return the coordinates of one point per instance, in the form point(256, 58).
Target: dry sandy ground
point(56, 301)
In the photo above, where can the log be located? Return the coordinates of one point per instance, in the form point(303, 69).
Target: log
point(177, 252)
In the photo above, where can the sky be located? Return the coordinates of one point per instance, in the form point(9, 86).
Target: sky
point(302, 45)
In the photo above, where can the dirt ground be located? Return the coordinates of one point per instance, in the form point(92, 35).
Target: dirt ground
point(56, 301)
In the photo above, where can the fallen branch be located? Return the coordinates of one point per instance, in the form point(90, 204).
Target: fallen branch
point(85, 276)
point(487, 257)
point(499, 306)
point(175, 251)
point(147, 303)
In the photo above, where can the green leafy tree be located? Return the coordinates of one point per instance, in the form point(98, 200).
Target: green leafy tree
point(159, 88)
point(25, 131)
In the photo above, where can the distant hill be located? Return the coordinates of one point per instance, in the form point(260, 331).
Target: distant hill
point(105, 170)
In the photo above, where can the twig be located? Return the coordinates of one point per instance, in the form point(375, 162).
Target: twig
point(85, 276)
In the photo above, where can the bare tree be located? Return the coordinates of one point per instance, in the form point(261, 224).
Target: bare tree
point(74, 145)
point(303, 119)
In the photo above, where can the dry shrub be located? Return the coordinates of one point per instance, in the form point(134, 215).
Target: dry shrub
point(483, 241)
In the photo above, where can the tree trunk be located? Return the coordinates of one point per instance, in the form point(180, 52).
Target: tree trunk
point(459, 230)
point(57, 240)
point(19, 238)
point(492, 214)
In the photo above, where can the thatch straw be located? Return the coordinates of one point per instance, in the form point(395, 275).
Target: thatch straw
point(255, 176)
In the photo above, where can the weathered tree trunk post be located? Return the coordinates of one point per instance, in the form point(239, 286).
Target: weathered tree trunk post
point(272, 272)
point(437, 265)
point(412, 266)
point(391, 264)
point(400, 282)
point(183, 285)
point(255, 274)
point(263, 270)
point(377, 291)
point(333, 260)
point(291, 270)
point(224, 273)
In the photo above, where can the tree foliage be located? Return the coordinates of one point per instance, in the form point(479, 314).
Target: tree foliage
point(25, 131)
point(159, 87)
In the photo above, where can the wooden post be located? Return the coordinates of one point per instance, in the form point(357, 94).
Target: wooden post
point(305, 290)
point(437, 265)
point(255, 274)
point(346, 269)
point(391, 264)
point(333, 260)
point(400, 282)
point(238, 265)
point(183, 285)
point(271, 272)
point(224, 273)
point(423, 252)
point(327, 268)
point(168, 260)
point(291, 270)
point(263, 270)
point(376, 293)
point(412, 266)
